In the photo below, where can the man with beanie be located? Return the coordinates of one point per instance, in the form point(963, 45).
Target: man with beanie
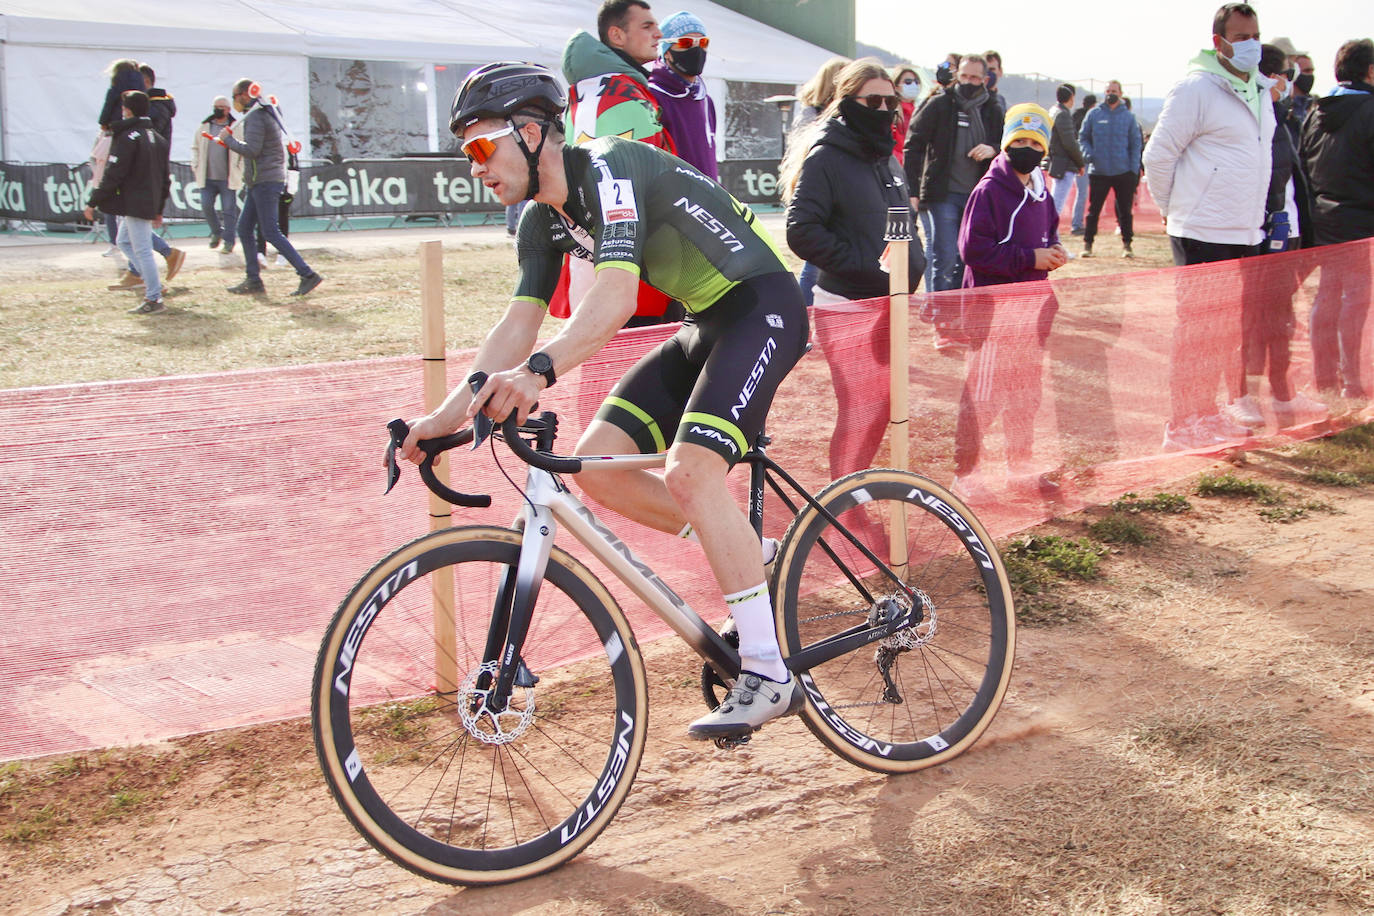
point(135, 187)
point(948, 149)
point(688, 114)
point(219, 173)
point(1010, 234)
point(1208, 164)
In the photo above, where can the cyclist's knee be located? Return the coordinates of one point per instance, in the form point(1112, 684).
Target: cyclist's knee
point(693, 472)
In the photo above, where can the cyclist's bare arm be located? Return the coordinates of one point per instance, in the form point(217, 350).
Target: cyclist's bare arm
point(607, 306)
point(509, 343)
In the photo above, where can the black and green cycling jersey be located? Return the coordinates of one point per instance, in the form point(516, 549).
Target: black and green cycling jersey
point(637, 208)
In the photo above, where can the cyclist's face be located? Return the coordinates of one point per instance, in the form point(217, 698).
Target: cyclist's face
point(505, 171)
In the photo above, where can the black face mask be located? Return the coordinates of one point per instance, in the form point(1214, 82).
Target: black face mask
point(874, 125)
point(1025, 159)
point(689, 62)
point(969, 91)
point(219, 114)
point(1303, 83)
point(1112, 98)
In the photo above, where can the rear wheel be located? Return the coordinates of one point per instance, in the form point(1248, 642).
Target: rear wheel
point(924, 694)
point(430, 778)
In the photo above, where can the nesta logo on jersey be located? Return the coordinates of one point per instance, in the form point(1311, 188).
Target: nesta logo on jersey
point(713, 225)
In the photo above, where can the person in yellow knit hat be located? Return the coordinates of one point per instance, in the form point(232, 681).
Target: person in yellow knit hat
point(1010, 234)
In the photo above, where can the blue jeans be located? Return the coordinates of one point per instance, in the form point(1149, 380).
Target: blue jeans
point(945, 217)
point(1062, 187)
point(112, 229)
point(260, 210)
point(217, 189)
point(136, 241)
point(810, 273)
point(1080, 201)
point(928, 230)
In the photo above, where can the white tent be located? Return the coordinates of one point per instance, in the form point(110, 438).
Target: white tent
point(53, 53)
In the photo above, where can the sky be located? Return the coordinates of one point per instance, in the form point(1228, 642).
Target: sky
point(1147, 50)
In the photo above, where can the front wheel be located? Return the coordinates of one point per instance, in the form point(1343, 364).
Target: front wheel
point(923, 694)
point(422, 767)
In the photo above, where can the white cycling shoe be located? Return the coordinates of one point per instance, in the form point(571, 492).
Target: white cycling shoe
point(753, 701)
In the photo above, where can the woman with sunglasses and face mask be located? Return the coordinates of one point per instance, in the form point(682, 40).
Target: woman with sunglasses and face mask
point(839, 183)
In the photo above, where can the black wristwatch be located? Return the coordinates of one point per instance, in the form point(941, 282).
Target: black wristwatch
point(540, 364)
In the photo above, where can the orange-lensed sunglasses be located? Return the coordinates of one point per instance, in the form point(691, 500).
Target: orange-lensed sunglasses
point(481, 147)
point(686, 42)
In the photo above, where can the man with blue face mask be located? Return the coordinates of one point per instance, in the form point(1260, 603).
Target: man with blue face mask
point(1208, 164)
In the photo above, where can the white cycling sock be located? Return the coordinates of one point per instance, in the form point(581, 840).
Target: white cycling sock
point(758, 639)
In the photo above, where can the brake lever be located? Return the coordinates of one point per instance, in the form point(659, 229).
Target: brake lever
point(482, 426)
point(399, 430)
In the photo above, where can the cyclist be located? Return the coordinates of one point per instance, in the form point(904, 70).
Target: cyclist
point(637, 212)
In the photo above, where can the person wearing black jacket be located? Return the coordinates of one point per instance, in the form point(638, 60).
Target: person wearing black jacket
point(951, 142)
point(1337, 152)
point(840, 188)
point(162, 108)
point(135, 187)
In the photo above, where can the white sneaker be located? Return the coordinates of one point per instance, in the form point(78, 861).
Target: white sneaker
point(280, 260)
point(1300, 410)
point(1246, 411)
point(262, 260)
point(1224, 428)
point(971, 489)
point(111, 252)
point(1193, 433)
point(753, 701)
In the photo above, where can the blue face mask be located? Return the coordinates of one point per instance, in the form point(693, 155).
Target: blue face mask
point(1245, 55)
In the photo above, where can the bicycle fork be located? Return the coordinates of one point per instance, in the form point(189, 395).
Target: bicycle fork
point(515, 599)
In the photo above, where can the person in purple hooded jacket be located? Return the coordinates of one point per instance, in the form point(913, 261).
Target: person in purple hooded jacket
point(687, 113)
point(1009, 234)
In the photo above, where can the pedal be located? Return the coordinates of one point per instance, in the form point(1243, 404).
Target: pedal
point(730, 742)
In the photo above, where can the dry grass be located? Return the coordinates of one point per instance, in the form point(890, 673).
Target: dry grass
point(63, 325)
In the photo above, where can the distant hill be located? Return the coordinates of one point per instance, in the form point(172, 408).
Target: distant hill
point(1018, 88)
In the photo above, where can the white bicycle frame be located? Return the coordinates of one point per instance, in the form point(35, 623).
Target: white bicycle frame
point(550, 504)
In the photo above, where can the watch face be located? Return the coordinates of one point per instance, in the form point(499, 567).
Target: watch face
point(540, 363)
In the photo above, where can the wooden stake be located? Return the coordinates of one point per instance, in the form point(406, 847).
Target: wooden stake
point(433, 348)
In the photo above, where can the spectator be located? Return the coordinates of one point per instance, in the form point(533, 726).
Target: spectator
point(134, 187)
point(1066, 158)
point(948, 149)
point(162, 108)
point(994, 75)
point(1110, 140)
point(609, 96)
point(1337, 150)
point(219, 174)
point(1080, 184)
point(1208, 165)
point(817, 93)
point(262, 143)
point(908, 84)
point(1010, 234)
point(814, 97)
point(1267, 315)
point(124, 76)
point(688, 114)
point(839, 191)
point(1303, 84)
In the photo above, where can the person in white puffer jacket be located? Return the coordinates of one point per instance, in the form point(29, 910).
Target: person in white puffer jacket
point(1207, 165)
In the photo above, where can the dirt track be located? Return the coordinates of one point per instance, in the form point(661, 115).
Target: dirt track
point(1200, 741)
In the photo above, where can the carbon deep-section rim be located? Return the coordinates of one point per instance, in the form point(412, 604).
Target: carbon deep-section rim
point(407, 771)
point(950, 669)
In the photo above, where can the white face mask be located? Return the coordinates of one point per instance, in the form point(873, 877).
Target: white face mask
point(1245, 55)
point(909, 89)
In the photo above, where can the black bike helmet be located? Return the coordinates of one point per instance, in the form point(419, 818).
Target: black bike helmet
point(504, 90)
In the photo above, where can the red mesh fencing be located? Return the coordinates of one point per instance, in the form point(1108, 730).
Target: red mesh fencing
point(173, 548)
